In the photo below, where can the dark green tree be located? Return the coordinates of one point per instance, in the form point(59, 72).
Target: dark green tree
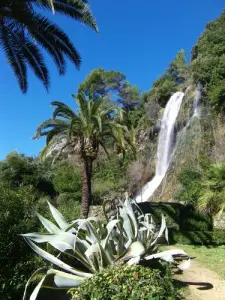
point(169, 82)
point(24, 30)
point(112, 86)
point(208, 62)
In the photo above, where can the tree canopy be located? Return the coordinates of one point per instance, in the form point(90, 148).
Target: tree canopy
point(208, 62)
point(111, 85)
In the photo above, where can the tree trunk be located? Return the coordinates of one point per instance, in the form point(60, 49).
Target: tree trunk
point(86, 186)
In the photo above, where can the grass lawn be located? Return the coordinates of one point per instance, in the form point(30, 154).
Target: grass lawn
point(211, 257)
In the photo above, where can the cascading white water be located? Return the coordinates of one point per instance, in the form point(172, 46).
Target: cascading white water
point(165, 143)
point(196, 102)
point(198, 95)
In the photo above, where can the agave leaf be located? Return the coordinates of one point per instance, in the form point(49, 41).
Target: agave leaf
point(60, 280)
point(86, 225)
point(64, 237)
point(92, 232)
point(107, 257)
point(134, 261)
point(81, 244)
point(121, 240)
point(104, 209)
point(95, 256)
point(54, 260)
point(80, 256)
point(36, 274)
point(167, 255)
point(167, 235)
point(129, 211)
point(51, 227)
point(60, 220)
point(65, 280)
point(99, 257)
point(62, 241)
point(162, 229)
point(126, 223)
point(135, 249)
point(110, 226)
point(37, 289)
point(71, 228)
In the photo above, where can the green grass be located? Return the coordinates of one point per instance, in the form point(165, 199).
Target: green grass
point(211, 257)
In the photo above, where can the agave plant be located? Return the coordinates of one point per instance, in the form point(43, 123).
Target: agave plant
point(128, 237)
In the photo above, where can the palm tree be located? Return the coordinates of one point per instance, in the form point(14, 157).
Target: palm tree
point(84, 132)
point(24, 30)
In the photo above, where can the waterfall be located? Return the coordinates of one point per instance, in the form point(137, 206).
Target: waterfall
point(198, 95)
point(196, 102)
point(165, 146)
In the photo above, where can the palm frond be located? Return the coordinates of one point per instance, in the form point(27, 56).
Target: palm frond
point(52, 124)
point(36, 61)
point(62, 110)
point(22, 24)
point(14, 56)
point(76, 9)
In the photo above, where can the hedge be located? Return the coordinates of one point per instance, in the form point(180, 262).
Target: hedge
point(183, 217)
point(214, 238)
point(127, 283)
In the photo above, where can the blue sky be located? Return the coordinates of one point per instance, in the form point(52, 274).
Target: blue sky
point(138, 40)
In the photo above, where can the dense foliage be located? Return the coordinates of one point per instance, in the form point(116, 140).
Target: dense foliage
point(25, 185)
point(175, 75)
point(211, 238)
point(204, 187)
point(208, 62)
point(179, 216)
point(112, 86)
point(16, 261)
point(127, 283)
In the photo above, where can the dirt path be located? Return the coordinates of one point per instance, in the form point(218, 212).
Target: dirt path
point(203, 283)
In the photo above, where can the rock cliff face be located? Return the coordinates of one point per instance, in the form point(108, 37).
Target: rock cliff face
point(199, 137)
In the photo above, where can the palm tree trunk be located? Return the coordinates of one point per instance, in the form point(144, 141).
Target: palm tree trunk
point(86, 186)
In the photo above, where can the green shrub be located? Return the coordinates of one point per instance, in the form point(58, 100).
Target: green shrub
point(170, 81)
point(183, 217)
point(204, 189)
point(16, 260)
point(214, 238)
point(109, 178)
point(69, 207)
point(208, 61)
point(127, 282)
point(190, 180)
point(67, 179)
point(162, 89)
point(193, 220)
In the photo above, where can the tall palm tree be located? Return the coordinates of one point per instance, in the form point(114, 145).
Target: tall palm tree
point(84, 132)
point(24, 30)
